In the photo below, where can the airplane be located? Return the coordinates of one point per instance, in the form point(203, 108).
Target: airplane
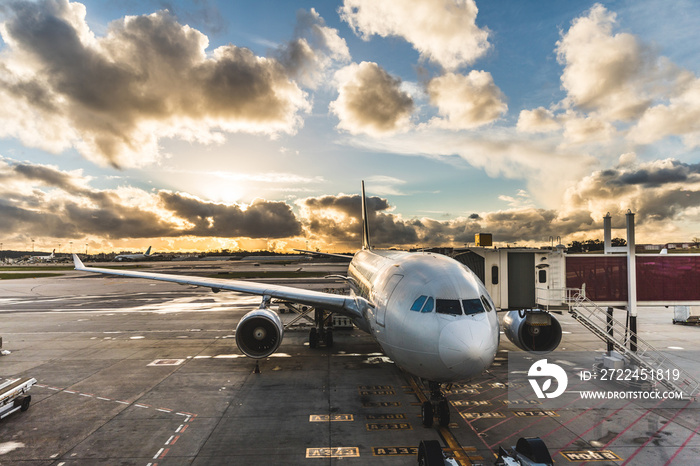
point(429, 313)
point(134, 257)
point(48, 258)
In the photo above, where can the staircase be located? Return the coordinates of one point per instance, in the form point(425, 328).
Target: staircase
point(595, 319)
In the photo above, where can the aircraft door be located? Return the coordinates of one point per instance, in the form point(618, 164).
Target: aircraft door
point(384, 300)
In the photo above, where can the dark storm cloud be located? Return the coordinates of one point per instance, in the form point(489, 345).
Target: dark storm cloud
point(657, 191)
point(262, 219)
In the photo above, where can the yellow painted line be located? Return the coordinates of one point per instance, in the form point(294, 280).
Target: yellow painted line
point(452, 443)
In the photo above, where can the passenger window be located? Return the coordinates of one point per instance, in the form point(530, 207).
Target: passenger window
point(428, 305)
point(487, 305)
point(418, 303)
point(472, 306)
point(449, 306)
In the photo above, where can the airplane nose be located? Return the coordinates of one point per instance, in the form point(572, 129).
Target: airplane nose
point(466, 346)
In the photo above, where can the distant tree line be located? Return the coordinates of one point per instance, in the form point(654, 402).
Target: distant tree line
point(591, 245)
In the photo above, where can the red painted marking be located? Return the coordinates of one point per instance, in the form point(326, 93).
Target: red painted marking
point(651, 437)
point(533, 423)
point(174, 440)
point(165, 452)
point(670, 460)
point(629, 426)
point(184, 429)
point(573, 419)
point(593, 427)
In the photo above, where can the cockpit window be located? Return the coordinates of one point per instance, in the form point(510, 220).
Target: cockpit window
point(418, 303)
point(428, 305)
point(487, 305)
point(472, 306)
point(449, 306)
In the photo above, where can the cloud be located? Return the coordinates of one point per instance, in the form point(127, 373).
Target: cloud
point(443, 31)
point(313, 49)
point(660, 191)
point(466, 102)
point(261, 219)
point(539, 120)
point(681, 116)
point(370, 101)
point(43, 201)
point(148, 78)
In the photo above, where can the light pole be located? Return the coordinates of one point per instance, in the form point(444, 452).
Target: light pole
point(86, 250)
point(71, 247)
point(32, 246)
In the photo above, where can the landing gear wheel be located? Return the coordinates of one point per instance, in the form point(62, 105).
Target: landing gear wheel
point(430, 453)
point(443, 413)
point(426, 413)
point(313, 338)
point(328, 339)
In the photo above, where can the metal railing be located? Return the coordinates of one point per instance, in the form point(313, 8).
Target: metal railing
point(610, 330)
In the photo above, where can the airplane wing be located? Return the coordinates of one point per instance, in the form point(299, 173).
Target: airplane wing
point(345, 305)
point(344, 256)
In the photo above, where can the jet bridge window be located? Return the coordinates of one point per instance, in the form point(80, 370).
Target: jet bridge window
point(448, 306)
point(472, 306)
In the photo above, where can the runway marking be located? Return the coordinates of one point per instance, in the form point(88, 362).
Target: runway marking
point(333, 452)
point(173, 438)
point(331, 418)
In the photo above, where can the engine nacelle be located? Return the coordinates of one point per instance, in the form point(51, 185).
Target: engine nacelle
point(259, 333)
point(532, 330)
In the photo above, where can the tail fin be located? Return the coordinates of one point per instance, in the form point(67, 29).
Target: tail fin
point(365, 221)
point(148, 251)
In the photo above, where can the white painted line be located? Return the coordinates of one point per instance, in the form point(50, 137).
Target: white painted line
point(158, 454)
point(177, 431)
point(69, 391)
point(140, 406)
point(164, 410)
point(181, 414)
point(168, 442)
point(85, 394)
point(122, 402)
point(102, 398)
point(53, 388)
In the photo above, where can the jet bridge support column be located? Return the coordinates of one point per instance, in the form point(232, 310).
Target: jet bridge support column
point(632, 280)
point(611, 346)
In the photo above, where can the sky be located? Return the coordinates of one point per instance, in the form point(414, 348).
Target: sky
point(199, 125)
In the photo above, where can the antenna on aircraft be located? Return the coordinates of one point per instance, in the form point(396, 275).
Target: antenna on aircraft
point(365, 221)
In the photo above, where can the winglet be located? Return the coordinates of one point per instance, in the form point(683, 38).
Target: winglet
point(77, 262)
point(365, 221)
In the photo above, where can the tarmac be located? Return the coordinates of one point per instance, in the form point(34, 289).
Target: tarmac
point(139, 372)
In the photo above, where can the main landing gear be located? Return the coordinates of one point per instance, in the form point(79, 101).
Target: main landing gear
point(322, 332)
point(437, 406)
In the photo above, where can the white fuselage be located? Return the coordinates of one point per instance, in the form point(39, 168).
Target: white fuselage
point(418, 314)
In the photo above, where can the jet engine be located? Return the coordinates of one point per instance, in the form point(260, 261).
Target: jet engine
point(534, 330)
point(259, 333)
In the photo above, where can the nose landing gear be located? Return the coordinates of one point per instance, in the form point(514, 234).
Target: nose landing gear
point(437, 406)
